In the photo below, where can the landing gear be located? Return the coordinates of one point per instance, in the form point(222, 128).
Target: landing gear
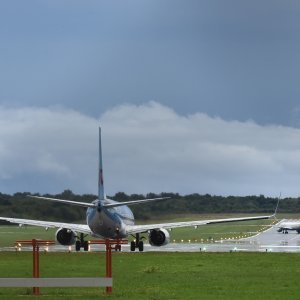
point(132, 246)
point(141, 246)
point(118, 247)
point(137, 244)
point(81, 243)
point(85, 246)
point(77, 246)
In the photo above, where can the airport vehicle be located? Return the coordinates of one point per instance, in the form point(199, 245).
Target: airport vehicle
point(107, 218)
point(285, 226)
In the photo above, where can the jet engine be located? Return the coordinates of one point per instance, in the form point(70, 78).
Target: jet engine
point(159, 237)
point(65, 237)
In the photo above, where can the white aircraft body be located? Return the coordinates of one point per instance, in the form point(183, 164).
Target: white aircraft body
point(284, 226)
point(110, 219)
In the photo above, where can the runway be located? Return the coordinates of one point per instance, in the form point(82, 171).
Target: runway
point(274, 241)
point(266, 241)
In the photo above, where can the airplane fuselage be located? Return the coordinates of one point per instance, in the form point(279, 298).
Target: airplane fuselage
point(109, 222)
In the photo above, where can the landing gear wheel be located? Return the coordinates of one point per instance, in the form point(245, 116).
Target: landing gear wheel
point(132, 246)
point(85, 246)
point(77, 245)
point(118, 247)
point(141, 246)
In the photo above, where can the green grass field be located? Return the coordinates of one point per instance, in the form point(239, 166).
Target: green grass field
point(162, 275)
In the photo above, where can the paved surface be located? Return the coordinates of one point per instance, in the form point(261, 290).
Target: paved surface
point(275, 241)
point(267, 241)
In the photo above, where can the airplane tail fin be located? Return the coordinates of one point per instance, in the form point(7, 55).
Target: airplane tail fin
point(101, 194)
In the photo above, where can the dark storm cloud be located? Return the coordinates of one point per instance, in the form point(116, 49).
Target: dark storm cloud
point(235, 59)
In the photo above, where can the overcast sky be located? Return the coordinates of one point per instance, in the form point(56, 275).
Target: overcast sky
point(193, 96)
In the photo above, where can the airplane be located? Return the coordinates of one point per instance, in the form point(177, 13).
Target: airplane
point(109, 219)
point(285, 226)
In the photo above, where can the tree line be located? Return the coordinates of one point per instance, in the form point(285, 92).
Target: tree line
point(21, 206)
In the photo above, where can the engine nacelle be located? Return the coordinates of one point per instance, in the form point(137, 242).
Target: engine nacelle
point(66, 237)
point(159, 237)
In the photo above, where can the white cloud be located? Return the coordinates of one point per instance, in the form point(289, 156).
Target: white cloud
point(146, 148)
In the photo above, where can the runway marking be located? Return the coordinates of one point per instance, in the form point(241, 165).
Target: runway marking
point(296, 237)
point(280, 246)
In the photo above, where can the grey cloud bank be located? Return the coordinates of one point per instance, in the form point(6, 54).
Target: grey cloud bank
point(146, 148)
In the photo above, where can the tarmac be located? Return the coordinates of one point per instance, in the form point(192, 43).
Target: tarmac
point(267, 241)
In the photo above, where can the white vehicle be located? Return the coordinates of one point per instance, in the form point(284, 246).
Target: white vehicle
point(107, 218)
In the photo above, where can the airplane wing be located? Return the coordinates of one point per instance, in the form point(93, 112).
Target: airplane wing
point(144, 228)
point(75, 227)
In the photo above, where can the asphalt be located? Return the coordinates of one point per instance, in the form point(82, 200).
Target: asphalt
point(272, 240)
point(267, 241)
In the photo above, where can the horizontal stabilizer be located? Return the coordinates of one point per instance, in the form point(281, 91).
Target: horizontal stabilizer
point(110, 205)
point(84, 204)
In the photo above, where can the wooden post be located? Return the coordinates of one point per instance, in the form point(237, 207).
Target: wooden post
point(36, 265)
point(36, 257)
point(108, 255)
point(108, 264)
